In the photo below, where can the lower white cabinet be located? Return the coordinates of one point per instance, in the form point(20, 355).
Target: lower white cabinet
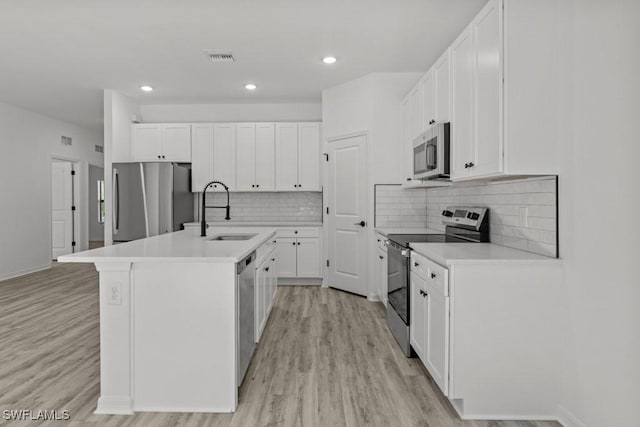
point(265, 291)
point(429, 331)
point(299, 252)
point(381, 272)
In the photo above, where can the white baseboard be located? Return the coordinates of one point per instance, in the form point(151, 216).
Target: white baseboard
point(183, 409)
point(23, 272)
point(286, 281)
point(504, 417)
point(374, 298)
point(120, 405)
point(567, 419)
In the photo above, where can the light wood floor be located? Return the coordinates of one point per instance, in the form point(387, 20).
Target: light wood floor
point(326, 359)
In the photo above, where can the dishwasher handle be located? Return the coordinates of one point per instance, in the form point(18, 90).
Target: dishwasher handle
point(246, 261)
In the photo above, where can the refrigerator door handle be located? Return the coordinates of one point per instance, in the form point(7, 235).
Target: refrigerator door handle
point(116, 201)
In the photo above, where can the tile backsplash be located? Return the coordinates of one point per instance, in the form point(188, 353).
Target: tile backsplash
point(396, 207)
point(522, 213)
point(283, 207)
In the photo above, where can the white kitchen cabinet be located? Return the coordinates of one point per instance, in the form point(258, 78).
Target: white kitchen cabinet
point(287, 156)
point(418, 315)
point(415, 110)
point(299, 251)
point(287, 257)
point(406, 143)
point(381, 262)
point(427, 100)
point(308, 257)
point(265, 291)
point(462, 131)
point(166, 142)
point(309, 157)
point(202, 156)
point(224, 155)
point(245, 156)
point(265, 157)
point(442, 78)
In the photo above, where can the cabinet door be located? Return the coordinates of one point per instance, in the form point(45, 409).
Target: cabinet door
point(286, 260)
point(201, 156)
point(176, 142)
point(406, 142)
point(417, 315)
point(428, 100)
point(309, 157)
point(382, 275)
point(146, 143)
point(265, 157)
point(272, 284)
point(245, 156)
point(287, 156)
point(224, 155)
point(462, 131)
point(308, 257)
point(488, 89)
point(442, 88)
point(436, 356)
point(260, 283)
point(416, 113)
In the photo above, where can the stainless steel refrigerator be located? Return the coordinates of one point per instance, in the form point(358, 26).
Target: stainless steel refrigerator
point(150, 199)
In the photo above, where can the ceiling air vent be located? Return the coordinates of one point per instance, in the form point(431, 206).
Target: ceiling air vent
point(219, 56)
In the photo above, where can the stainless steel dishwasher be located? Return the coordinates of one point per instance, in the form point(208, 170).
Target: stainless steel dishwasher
point(246, 322)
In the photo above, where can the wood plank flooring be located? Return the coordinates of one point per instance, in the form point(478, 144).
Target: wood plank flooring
point(326, 359)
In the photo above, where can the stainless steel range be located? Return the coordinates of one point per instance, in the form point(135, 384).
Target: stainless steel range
point(464, 224)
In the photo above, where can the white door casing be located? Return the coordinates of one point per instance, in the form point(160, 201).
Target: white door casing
point(61, 213)
point(347, 203)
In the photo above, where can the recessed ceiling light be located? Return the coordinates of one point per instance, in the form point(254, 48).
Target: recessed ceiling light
point(146, 88)
point(329, 60)
point(250, 86)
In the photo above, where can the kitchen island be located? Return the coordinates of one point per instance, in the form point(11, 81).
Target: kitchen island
point(170, 327)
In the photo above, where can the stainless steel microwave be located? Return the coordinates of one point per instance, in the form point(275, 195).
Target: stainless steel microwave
point(431, 152)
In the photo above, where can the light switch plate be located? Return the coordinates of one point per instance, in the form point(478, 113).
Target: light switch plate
point(114, 297)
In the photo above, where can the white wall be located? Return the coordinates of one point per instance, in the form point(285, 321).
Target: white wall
point(599, 195)
point(372, 104)
point(119, 113)
point(28, 142)
point(267, 112)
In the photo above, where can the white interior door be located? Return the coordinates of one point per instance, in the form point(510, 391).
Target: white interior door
point(61, 213)
point(347, 211)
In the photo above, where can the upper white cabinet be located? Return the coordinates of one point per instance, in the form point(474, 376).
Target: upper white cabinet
point(202, 156)
point(297, 156)
point(497, 85)
point(256, 156)
point(161, 142)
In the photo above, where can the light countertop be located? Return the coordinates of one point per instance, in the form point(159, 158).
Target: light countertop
point(468, 253)
point(180, 246)
point(385, 231)
point(256, 224)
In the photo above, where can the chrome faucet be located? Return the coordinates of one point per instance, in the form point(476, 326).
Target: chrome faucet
point(203, 222)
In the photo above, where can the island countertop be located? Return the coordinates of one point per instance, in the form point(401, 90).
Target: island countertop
point(179, 246)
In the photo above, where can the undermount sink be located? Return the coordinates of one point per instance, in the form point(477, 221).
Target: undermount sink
point(232, 237)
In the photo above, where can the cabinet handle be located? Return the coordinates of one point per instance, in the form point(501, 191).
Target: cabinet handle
point(295, 232)
point(423, 293)
point(266, 269)
point(415, 264)
point(163, 157)
point(408, 179)
point(378, 240)
point(294, 243)
point(433, 276)
point(257, 185)
point(466, 165)
point(275, 241)
point(381, 257)
point(298, 243)
point(158, 156)
point(273, 259)
point(471, 164)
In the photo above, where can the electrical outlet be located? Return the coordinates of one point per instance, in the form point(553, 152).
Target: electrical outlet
point(115, 294)
point(524, 216)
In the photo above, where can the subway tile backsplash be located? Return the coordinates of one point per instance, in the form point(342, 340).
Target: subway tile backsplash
point(266, 207)
point(522, 213)
point(400, 208)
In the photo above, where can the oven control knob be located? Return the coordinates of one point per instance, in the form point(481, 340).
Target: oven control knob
point(447, 213)
point(473, 215)
point(470, 215)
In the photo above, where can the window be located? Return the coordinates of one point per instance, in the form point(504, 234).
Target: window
point(100, 201)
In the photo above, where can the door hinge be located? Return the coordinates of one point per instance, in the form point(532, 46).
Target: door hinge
point(326, 156)
point(327, 263)
point(73, 208)
point(327, 210)
point(73, 172)
point(73, 243)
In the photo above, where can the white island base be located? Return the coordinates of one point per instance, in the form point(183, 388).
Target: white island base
point(169, 323)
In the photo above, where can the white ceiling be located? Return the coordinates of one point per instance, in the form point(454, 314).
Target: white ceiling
point(56, 57)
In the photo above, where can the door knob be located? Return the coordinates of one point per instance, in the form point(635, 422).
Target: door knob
point(361, 223)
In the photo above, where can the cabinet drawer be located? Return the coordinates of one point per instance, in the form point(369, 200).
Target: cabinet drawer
point(437, 277)
point(419, 265)
point(299, 232)
point(266, 248)
point(380, 242)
